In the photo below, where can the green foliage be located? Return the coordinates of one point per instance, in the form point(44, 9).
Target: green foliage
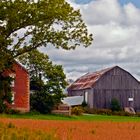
point(28, 24)
point(98, 111)
point(46, 79)
point(5, 92)
point(2, 106)
point(43, 72)
point(43, 102)
point(11, 111)
point(115, 106)
point(76, 111)
point(107, 112)
point(84, 104)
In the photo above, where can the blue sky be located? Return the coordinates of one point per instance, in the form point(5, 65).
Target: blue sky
point(135, 2)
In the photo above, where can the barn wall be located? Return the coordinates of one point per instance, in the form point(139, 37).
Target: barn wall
point(90, 98)
point(117, 79)
point(76, 92)
point(119, 84)
point(21, 89)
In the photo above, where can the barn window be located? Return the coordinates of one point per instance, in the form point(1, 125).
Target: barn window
point(13, 97)
point(13, 81)
point(130, 99)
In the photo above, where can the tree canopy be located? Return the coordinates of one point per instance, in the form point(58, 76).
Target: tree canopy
point(28, 24)
point(43, 72)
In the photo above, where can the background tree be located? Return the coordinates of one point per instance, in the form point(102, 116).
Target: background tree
point(46, 79)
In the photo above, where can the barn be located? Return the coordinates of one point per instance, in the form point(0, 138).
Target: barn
point(100, 87)
point(20, 87)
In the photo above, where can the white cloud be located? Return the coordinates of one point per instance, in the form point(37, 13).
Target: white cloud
point(116, 31)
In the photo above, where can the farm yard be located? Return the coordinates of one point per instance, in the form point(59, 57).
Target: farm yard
point(70, 128)
point(40, 71)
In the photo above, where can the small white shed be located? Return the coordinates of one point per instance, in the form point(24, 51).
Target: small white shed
point(73, 100)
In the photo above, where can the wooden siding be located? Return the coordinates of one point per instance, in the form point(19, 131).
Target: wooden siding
point(117, 78)
point(118, 84)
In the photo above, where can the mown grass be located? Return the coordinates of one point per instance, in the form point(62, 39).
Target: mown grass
point(73, 118)
point(11, 132)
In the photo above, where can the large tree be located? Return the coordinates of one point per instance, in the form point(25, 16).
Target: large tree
point(28, 24)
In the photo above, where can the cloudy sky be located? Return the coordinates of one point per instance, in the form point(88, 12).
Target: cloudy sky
point(115, 25)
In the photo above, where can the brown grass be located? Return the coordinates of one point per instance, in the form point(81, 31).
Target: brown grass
point(81, 130)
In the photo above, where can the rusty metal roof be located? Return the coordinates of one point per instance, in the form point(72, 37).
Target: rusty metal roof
point(88, 80)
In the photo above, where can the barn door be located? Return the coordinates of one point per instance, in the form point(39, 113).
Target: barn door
point(86, 97)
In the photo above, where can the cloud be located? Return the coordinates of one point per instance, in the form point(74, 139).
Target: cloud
point(116, 31)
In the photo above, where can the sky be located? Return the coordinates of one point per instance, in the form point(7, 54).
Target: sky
point(115, 25)
point(122, 2)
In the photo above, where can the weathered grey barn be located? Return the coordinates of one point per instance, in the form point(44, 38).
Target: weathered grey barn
point(100, 87)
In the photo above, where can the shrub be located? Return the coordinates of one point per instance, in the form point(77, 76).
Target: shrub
point(98, 111)
point(11, 111)
point(5, 92)
point(84, 104)
point(44, 102)
point(2, 106)
point(108, 112)
point(76, 111)
point(122, 113)
point(115, 106)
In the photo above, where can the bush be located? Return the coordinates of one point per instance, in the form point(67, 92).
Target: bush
point(3, 106)
point(5, 92)
point(76, 111)
point(84, 104)
point(98, 111)
point(122, 113)
point(115, 106)
point(11, 111)
point(108, 112)
point(44, 102)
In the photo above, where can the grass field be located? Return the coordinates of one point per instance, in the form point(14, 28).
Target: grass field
point(33, 129)
point(88, 117)
point(56, 127)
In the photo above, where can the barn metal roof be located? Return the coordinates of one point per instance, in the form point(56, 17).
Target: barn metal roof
point(88, 80)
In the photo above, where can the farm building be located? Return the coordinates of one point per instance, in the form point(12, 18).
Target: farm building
point(73, 100)
point(20, 87)
point(99, 88)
